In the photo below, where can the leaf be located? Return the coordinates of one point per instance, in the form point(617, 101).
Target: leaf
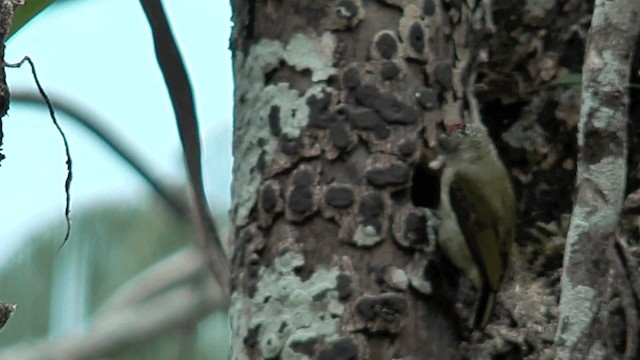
point(572, 79)
point(26, 13)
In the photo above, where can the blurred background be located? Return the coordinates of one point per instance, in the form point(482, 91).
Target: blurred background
point(98, 56)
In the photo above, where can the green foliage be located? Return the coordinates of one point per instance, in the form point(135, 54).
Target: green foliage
point(118, 240)
point(573, 80)
point(26, 13)
point(110, 244)
point(125, 241)
point(24, 281)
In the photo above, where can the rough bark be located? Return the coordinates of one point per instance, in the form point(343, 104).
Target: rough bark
point(7, 9)
point(335, 103)
point(602, 159)
point(303, 126)
point(6, 310)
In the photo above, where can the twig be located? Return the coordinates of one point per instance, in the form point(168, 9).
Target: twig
point(52, 113)
point(93, 124)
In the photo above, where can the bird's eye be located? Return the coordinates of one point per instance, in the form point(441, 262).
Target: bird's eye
point(449, 143)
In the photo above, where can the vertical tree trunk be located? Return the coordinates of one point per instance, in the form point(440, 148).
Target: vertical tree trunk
point(335, 103)
point(583, 331)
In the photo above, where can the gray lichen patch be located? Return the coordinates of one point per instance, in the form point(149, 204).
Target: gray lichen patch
point(416, 271)
point(579, 303)
point(395, 278)
point(346, 14)
point(366, 236)
point(286, 310)
point(254, 139)
point(314, 54)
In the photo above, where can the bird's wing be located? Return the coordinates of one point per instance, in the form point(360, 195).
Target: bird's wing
point(479, 221)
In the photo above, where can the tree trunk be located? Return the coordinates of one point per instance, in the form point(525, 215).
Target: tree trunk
point(337, 107)
point(336, 103)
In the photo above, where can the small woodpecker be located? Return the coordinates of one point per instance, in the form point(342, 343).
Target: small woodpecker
point(477, 211)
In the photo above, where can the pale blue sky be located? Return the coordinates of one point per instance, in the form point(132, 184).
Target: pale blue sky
point(100, 53)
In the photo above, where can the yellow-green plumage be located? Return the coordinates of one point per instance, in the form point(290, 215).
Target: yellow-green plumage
point(478, 214)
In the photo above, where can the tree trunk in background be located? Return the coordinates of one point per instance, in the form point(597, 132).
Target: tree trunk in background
point(335, 103)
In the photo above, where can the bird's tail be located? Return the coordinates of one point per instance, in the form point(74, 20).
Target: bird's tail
point(484, 307)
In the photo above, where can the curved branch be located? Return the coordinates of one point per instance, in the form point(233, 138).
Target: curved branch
point(179, 88)
point(63, 136)
point(183, 266)
point(88, 120)
point(112, 334)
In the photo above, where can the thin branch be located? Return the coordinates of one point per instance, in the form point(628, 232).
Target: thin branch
point(94, 124)
point(179, 88)
point(172, 271)
point(52, 114)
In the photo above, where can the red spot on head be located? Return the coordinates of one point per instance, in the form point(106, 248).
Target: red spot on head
point(454, 127)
